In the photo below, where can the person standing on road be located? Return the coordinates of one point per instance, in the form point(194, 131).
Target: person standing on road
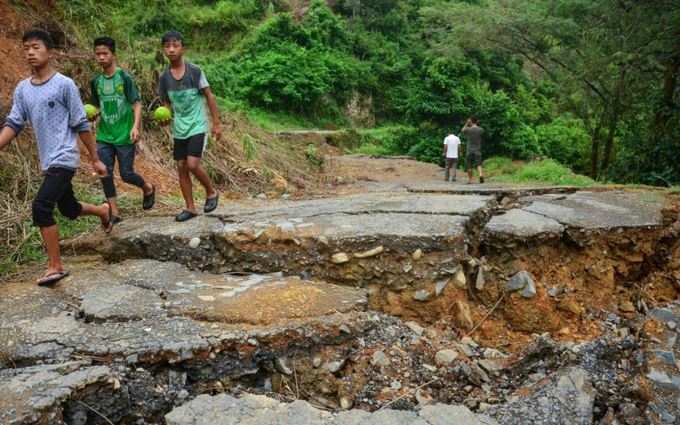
point(473, 158)
point(116, 95)
point(451, 143)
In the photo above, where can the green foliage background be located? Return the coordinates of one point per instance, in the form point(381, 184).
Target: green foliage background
point(590, 85)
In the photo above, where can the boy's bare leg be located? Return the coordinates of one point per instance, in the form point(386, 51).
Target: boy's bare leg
point(185, 185)
point(194, 165)
point(50, 237)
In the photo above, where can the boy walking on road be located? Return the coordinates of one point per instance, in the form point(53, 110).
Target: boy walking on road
point(183, 86)
point(115, 94)
point(473, 158)
point(51, 103)
point(451, 143)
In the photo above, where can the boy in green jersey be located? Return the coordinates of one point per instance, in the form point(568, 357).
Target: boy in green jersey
point(120, 112)
point(183, 86)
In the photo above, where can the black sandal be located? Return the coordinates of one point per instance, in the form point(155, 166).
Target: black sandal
point(150, 199)
point(211, 203)
point(52, 278)
point(185, 216)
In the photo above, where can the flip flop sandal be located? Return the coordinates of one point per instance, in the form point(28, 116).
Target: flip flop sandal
point(108, 225)
point(150, 199)
point(185, 216)
point(211, 203)
point(52, 278)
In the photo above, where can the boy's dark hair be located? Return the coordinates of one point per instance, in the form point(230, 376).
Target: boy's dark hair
point(107, 42)
point(37, 34)
point(172, 35)
point(474, 119)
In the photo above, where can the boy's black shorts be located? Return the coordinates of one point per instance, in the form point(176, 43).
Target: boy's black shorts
point(56, 189)
point(193, 146)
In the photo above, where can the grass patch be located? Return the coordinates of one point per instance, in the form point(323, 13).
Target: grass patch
point(372, 150)
point(546, 171)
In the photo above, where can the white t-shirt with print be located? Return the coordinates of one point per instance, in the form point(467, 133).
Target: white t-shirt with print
point(452, 142)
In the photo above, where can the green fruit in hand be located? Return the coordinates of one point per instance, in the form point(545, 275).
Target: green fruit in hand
point(162, 114)
point(91, 111)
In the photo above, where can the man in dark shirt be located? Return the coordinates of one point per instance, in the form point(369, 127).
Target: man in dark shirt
point(473, 158)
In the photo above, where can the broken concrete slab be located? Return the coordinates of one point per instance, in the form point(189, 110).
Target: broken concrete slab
point(145, 308)
point(497, 190)
point(307, 245)
point(520, 224)
point(34, 395)
point(119, 303)
point(294, 236)
point(360, 204)
point(253, 299)
point(227, 410)
point(600, 210)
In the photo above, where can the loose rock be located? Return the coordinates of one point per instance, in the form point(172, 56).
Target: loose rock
point(380, 359)
point(340, 258)
point(421, 295)
point(370, 253)
point(520, 281)
point(445, 357)
point(416, 328)
point(459, 279)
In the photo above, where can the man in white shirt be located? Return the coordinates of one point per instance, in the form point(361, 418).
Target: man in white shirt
point(451, 143)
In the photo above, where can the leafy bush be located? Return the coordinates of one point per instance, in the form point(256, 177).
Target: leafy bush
point(566, 141)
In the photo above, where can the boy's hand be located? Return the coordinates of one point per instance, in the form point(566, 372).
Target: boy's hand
point(217, 131)
point(100, 168)
point(134, 135)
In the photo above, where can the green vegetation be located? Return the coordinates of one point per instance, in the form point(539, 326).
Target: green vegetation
point(548, 79)
point(545, 171)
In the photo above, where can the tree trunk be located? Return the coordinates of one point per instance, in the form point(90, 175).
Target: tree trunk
point(670, 80)
point(609, 143)
point(595, 151)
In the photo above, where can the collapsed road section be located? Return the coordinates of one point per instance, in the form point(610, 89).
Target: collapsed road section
point(517, 306)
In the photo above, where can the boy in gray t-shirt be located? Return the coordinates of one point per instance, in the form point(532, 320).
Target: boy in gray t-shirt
point(51, 103)
point(184, 87)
